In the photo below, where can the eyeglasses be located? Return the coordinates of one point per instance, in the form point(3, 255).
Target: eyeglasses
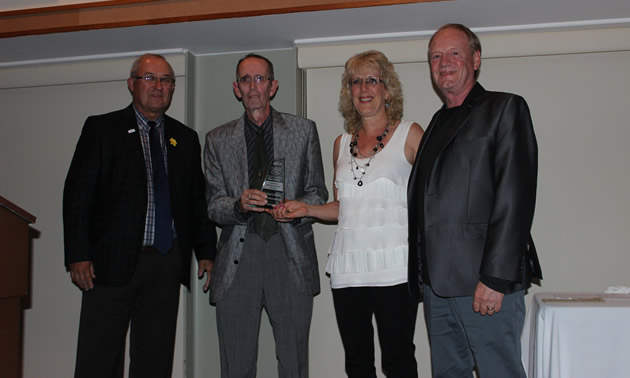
point(152, 79)
point(248, 79)
point(369, 81)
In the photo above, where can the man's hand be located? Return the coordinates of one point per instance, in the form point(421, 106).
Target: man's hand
point(487, 301)
point(205, 266)
point(82, 274)
point(253, 200)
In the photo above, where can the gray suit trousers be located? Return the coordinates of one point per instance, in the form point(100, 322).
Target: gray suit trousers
point(462, 339)
point(262, 281)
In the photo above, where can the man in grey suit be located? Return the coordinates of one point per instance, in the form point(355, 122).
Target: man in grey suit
point(262, 263)
point(471, 200)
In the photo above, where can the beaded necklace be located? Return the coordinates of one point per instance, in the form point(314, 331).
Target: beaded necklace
point(354, 152)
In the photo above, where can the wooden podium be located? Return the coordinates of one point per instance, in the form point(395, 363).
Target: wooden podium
point(14, 279)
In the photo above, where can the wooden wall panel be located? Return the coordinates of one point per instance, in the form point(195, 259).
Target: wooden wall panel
point(124, 13)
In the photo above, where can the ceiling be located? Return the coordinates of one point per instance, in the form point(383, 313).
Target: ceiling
point(282, 31)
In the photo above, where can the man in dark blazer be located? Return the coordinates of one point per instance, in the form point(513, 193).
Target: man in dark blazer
point(471, 201)
point(262, 263)
point(128, 267)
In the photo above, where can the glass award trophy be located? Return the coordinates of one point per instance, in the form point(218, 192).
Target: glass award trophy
point(273, 185)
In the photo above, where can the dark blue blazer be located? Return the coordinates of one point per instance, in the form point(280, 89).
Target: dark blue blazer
point(105, 197)
point(479, 199)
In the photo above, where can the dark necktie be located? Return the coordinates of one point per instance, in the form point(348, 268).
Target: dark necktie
point(264, 224)
point(163, 237)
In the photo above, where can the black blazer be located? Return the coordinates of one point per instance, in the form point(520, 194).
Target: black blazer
point(479, 199)
point(105, 197)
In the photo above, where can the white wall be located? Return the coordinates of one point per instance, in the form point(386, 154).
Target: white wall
point(43, 109)
point(576, 85)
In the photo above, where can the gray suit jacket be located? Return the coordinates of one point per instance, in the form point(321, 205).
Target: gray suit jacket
point(225, 157)
point(479, 199)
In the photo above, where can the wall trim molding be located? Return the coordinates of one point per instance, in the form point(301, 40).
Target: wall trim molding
point(84, 69)
point(497, 42)
point(84, 58)
point(554, 26)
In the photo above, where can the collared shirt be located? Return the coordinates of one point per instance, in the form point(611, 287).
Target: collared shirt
point(144, 129)
point(251, 129)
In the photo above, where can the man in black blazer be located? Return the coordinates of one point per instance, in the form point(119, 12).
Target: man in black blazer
point(471, 201)
point(128, 238)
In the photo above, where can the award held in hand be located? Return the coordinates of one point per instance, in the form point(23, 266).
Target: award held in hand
point(273, 185)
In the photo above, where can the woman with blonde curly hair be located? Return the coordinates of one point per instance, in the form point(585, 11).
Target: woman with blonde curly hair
point(367, 260)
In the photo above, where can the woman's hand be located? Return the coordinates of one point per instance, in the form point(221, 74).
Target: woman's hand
point(288, 211)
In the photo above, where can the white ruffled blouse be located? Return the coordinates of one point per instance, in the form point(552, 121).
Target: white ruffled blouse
point(370, 244)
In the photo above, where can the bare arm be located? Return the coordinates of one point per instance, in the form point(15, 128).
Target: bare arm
point(413, 142)
point(296, 209)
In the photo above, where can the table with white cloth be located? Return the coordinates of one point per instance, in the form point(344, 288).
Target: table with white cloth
point(574, 335)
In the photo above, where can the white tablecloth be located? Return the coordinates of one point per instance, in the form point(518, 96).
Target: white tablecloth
point(575, 337)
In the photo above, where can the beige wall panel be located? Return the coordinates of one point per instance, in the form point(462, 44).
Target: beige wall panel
point(578, 103)
point(575, 83)
point(41, 126)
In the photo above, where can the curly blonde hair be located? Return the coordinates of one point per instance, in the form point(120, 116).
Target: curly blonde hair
point(393, 104)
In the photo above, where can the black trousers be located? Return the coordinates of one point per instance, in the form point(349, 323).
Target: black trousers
point(395, 312)
point(148, 306)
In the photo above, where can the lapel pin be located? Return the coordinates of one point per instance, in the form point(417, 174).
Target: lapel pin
point(131, 131)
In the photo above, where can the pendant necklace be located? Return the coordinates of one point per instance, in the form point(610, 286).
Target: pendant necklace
point(355, 167)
